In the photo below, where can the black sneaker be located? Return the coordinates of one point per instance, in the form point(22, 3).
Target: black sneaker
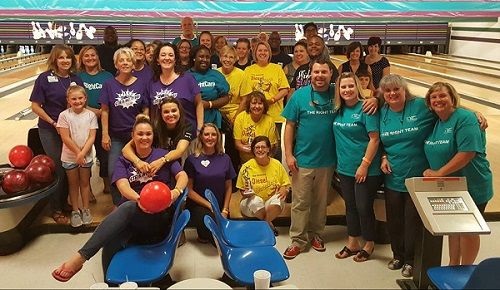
point(395, 264)
point(407, 270)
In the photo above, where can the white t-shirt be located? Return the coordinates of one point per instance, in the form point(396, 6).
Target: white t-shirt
point(79, 126)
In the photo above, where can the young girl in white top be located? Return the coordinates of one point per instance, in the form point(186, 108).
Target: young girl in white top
point(77, 126)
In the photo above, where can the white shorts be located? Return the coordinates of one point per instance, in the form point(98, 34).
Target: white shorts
point(249, 206)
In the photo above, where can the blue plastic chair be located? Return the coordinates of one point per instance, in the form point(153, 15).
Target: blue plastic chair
point(146, 264)
point(240, 263)
point(241, 233)
point(481, 276)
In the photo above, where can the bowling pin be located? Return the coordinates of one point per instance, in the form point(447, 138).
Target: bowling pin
point(2, 51)
point(32, 49)
point(26, 49)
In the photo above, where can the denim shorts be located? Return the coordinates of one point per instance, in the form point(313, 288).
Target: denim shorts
point(70, 165)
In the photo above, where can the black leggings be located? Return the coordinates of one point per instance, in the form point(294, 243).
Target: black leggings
point(402, 222)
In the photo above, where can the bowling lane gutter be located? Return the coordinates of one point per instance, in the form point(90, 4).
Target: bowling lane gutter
point(451, 77)
point(459, 61)
point(14, 87)
point(462, 95)
point(449, 67)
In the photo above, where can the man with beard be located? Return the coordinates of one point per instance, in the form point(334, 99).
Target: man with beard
point(107, 50)
point(278, 56)
point(310, 156)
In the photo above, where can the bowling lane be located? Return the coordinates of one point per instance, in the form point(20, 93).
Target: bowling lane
point(470, 67)
point(7, 55)
point(23, 73)
point(470, 76)
point(469, 90)
point(481, 62)
point(14, 132)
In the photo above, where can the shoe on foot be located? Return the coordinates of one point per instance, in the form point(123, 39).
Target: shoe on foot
point(86, 217)
point(291, 252)
point(62, 274)
point(318, 244)
point(346, 253)
point(395, 264)
point(76, 219)
point(407, 270)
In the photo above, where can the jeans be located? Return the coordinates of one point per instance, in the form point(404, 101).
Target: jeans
point(402, 222)
point(52, 144)
point(115, 152)
point(127, 224)
point(359, 199)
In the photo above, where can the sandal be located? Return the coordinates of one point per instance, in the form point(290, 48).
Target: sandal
point(60, 218)
point(346, 253)
point(63, 275)
point(362, 256)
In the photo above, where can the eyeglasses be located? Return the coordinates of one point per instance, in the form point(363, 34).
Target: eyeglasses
point(260, 147)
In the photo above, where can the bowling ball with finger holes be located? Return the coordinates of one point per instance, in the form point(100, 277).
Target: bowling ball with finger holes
point(155, 197)
point(20, 156)
point(46, 160)
point(15, 181)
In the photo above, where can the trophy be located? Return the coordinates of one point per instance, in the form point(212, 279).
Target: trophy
point(248, 191)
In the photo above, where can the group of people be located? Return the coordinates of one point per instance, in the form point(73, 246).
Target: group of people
point(163, 117)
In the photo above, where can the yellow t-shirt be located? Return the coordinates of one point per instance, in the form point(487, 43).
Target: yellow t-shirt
point(268, 80)
point(264, 180)
point(235, 79)
point(245, 130)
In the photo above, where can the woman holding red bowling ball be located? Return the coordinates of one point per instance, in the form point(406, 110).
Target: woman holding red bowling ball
point(48, 100)
point(131, 222)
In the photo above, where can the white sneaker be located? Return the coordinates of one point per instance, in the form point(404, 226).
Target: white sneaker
point(86, 217)
point(76, 219)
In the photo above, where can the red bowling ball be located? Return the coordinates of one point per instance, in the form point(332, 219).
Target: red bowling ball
point(39, 173)
point(46, 160)
point(20, 156)
point(15, 181)
point(155, 197)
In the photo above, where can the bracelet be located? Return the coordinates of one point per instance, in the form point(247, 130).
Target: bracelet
point(210, 104)
point(54, 123)
point(384, 156)
point(165, 160)
point(366, 160)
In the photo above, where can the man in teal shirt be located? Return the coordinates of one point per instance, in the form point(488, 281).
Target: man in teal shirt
point(309, 116)
point(187, 26)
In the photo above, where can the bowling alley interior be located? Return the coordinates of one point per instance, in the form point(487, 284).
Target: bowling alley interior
point(455, 42)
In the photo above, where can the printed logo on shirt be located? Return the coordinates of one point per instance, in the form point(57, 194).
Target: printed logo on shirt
point(355, 116)
point(92, 86)
point(137, 176)
point(412, 118)
point(263, 85)
point(206, 84)
point(437, 142)
point(127, 99)
point(448, 130)
point(162, 94)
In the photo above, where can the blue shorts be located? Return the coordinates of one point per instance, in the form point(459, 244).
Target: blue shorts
point(70, 165)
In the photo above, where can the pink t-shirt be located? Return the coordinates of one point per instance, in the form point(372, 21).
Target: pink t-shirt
point(79, 126)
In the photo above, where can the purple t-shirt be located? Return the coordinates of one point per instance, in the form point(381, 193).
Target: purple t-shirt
point(145, 74)
point(210, 171)
point(50, 92)
point(124, 103)
point(184, 88)
point(137, 180)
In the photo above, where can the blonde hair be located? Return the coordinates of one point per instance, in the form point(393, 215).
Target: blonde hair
point(228, 49)
point(81, 66)
point(394, 80)
point(455, 98)
point(76, 88)
point(339, 102)
point(198, 149)
point(128, 52)
point(56, 51)
point(254, 53)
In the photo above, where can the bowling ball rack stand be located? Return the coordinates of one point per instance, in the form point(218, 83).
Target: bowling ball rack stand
point(18, 212)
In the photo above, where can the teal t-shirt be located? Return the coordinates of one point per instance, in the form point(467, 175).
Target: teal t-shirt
point(212, 85)
point(461, 133)
point(93, 86)
point(402, 135)
point(313, 115)
point(350, 128)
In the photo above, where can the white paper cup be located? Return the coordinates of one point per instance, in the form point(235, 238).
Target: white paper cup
point(100, 285)
point(129, 285)
point(262, 279)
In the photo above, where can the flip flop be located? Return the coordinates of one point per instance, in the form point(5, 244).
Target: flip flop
point(60, 218)
point(70, 273)
point(362, 256)
point(346, 250)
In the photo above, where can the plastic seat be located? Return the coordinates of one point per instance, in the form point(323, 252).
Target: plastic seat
point(240, 263)
point(145, 264)
point(241, 233)
point(481, 276)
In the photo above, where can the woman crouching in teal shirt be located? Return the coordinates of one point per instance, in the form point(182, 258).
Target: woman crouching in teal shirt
point(457, 147)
